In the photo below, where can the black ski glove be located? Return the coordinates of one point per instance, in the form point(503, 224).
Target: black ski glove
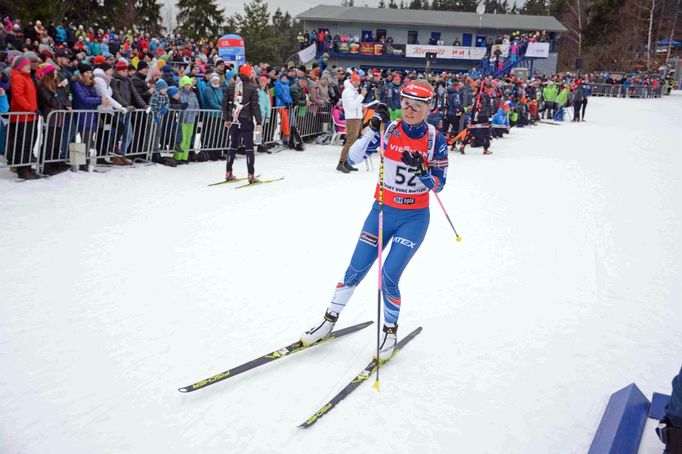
point(380, 116)
point(415, 162)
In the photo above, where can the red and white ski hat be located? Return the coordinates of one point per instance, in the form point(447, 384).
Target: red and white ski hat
point(417, 91)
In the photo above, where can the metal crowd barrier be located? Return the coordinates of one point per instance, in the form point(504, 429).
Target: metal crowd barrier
point(272, 127)
point(630, 91)
point(20, 133)
point(209, 131)
point(311, 120)
point(104, 133)
point(28, 139)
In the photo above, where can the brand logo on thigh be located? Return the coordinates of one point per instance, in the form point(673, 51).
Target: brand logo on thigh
point(370, 239)
point(404, 242)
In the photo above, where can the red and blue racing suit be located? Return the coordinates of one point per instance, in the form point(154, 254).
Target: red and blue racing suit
point(405, 209)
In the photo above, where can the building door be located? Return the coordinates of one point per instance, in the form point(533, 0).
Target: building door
point(367, 36)
point(466, 39)
point(412, 37)
point(381, 33)
point(480, 41)
point(435, 36)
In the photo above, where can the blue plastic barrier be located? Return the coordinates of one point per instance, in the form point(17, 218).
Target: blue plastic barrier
point(621, 427)
point(658, 403)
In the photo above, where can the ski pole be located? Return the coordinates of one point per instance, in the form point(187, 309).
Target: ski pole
point(380, 250)
point(459, 238)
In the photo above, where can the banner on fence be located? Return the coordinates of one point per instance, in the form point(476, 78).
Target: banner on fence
point(447, 52)
point(307, 54)
point(538, 50)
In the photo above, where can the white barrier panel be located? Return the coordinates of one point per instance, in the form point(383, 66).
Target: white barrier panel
point(537, 50)
point(447, 52)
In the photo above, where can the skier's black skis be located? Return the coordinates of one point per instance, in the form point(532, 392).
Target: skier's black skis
point(361, 377)
point(277, 354)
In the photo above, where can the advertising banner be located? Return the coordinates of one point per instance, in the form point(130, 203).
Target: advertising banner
point(540, 50)
point(446, 52)
point(231, 49)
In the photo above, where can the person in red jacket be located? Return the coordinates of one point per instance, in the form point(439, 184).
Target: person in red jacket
point(23, 128)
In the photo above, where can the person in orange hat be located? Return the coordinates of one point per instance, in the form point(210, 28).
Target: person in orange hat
point(415, 161)
point(240, 108)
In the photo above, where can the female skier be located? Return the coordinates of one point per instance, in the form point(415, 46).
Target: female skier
point(415, 159)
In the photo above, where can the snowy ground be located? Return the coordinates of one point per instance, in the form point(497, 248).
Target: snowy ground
point(118, 288)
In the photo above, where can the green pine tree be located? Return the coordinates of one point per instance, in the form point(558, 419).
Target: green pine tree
point(200, 18)
point(382, 4)
point(534, 8)
point(392, 4)
point(499, 7)
point(468, 6)
point(148, 18)
point(142, 15)
point(78, 11)
point(286, 28)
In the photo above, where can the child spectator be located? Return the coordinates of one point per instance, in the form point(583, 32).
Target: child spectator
point(159, 104)
point(190, 103)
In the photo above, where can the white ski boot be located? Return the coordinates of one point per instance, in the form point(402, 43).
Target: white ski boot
point(321, 330)
point(387, 341)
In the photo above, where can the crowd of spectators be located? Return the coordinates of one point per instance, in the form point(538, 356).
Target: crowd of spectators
point(58, 67)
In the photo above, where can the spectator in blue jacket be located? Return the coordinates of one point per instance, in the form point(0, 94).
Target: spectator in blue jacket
point(60, 34)
point(282, 92)
point(500, 123)
point(283, 99)
point(392, 97)
point(454, 110)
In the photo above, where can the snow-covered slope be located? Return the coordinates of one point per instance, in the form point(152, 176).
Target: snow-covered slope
point(118, 288)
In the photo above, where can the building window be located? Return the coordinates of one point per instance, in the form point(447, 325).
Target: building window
point(381, 33)
point(435, 36)
point(412, 37)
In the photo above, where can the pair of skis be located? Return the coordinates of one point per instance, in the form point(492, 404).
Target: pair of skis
point(238, 180)
point(295, 348)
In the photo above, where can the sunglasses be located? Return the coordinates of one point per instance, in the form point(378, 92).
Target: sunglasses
point(416, 106)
